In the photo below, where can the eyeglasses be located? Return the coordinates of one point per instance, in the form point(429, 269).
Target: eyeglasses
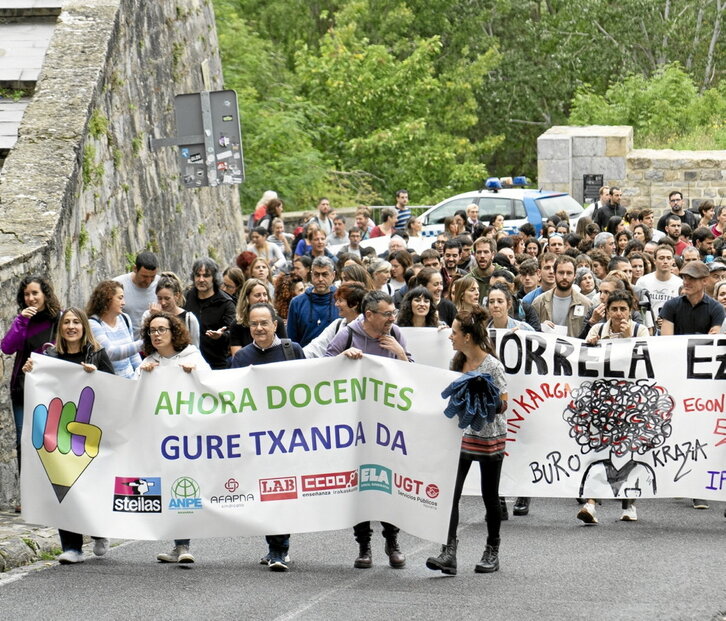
point(260, 324)
point(387, 314)
point(675, 200)
point(160, 331)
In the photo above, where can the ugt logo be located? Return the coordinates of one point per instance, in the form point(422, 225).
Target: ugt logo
point(65, 440)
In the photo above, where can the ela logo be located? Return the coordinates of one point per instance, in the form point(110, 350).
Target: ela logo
point(375, 477)
point(185, 495)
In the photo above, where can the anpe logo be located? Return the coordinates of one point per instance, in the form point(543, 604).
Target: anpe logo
point(432, 490)
point(283, 488)
point(137, 495)
point(330, 480)
point(375, 477)
point(185, 495)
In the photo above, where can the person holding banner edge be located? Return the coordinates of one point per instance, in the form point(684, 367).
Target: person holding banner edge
point(475, 353)
point(267, 347)
point(373, 333)
point(166, 343)
point(75, 343)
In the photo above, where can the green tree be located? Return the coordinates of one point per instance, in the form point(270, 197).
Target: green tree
point(278, 141)
point(665, 109)
point(396, 118)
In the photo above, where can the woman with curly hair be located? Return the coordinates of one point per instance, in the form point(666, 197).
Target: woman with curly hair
point(418, 310)
point(287, 286)
point(253, 292)
point(166, 344)
point(33, 327)
point(112, 327)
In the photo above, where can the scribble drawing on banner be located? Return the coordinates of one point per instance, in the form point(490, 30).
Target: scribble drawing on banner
point(65, 440)
point(624, 418)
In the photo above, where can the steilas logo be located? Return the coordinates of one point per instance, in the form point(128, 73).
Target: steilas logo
point(137, 495)
point(282, 488)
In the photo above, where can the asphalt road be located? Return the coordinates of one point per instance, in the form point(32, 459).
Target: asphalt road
point(668, 565)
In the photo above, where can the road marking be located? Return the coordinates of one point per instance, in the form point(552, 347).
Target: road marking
point(349, 583)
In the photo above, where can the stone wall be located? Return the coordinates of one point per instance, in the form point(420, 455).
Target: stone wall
point(646, 176)
point(81, 192)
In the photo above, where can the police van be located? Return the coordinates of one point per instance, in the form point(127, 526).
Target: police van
point(503, 196)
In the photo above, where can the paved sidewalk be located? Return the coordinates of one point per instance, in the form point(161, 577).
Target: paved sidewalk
point(22, 544)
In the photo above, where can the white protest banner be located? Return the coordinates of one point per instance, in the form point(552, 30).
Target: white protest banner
point(627, 418)
point(297, 446)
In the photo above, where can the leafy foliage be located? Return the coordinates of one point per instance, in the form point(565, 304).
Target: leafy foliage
point(663, 109)
point(356, 98)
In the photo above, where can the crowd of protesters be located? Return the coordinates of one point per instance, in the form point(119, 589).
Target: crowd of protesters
point(323, 291)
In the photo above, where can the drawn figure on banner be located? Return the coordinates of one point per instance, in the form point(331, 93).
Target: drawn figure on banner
point(624, 418)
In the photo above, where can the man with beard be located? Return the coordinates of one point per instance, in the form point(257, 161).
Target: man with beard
point(612, 208)
point(484, 250)
point(563, 306)
point(450, 270)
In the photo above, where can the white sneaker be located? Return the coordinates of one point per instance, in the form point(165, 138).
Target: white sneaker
point(184, 555)
point(70, 557)
point(100, 546)
point(629, 514)
point(178, 554)
point(587, 513)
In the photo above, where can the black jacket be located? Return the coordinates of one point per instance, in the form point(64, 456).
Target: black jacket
point(212, 313)
point(98, 358)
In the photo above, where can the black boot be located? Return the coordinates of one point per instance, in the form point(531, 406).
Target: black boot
point(396, 558)
point(446, 561)
point(489, 561)
point(521, 506)
point(503, 508)
point(365, 557)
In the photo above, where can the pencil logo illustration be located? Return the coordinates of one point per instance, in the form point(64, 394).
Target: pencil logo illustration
point(65, 440)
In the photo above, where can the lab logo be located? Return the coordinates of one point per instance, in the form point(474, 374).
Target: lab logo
point(282, 488)
point(137, 495)
point(185, 495)
point(376, 478)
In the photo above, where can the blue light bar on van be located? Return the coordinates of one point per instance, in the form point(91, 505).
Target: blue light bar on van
point(520, 181)
point(493, 183)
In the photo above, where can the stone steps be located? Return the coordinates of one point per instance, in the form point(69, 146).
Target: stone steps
point(30, 8)
point(26, 27)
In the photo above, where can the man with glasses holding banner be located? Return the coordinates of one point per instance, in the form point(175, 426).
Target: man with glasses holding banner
point(374, 332)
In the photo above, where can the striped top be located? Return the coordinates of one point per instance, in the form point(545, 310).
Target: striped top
point(489, 440)
point(119, 344)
